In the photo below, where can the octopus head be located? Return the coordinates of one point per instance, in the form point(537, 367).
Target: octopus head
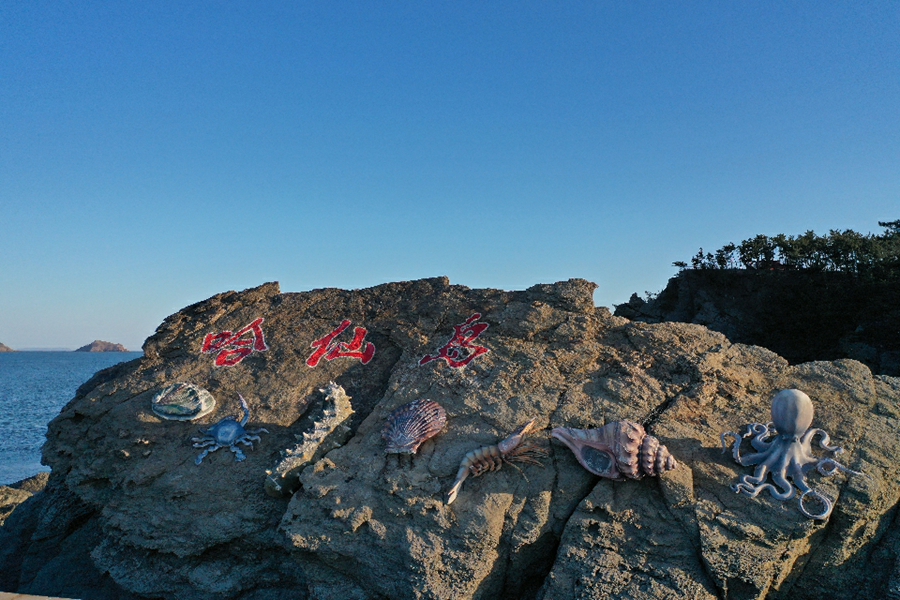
point(792, 412)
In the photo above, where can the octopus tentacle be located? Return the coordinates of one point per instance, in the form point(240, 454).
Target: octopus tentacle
point(807, 439)
point(752, 485)
point(758, 476)
point(748, 488)
point(754, 490)
point(759, 441)
point(823, 499)
point(829, 466)
point(804, 456)
point(755, 459)
point(787, 490)
point(736, 451)
point(797, 473)
point(746, 461)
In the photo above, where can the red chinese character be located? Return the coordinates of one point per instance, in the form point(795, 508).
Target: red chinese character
point(330, 350)
point(460, 350)
point(232, 349)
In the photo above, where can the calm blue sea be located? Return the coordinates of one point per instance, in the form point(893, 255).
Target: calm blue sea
point(34, 386)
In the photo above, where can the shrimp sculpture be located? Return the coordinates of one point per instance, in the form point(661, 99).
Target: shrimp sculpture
point(490, 458)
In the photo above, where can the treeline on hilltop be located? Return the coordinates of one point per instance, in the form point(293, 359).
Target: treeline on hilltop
point(839, 251)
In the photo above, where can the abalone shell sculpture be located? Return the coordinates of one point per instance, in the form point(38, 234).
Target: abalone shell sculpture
point(617, 450)
point(182, 402)
point(411, 425)
point(784, 450)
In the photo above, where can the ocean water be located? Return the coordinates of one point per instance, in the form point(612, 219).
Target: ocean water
point(34, 386)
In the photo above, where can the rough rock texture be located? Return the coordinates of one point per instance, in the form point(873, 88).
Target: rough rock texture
point(11, 496)
point(101, 346)
point(129, 508)
point(5, 348)
point(801, 315)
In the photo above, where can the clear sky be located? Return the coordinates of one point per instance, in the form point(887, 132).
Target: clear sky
point(153, 154)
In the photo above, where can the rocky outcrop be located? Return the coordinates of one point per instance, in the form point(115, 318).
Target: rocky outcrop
point(128, 513)
point(101, 346)
point(11, 496)
point(5, 348)
point(800, 315)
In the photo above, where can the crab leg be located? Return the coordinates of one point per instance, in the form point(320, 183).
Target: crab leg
point(205, 452)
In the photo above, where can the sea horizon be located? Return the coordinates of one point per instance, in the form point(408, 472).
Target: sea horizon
point(71, 350)
point(34, 387)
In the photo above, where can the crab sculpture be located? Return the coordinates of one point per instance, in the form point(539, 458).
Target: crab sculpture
point(228, 432)
point(785, 451)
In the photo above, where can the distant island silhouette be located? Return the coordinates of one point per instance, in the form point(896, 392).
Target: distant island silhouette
point(101, 346)
point(5, 348)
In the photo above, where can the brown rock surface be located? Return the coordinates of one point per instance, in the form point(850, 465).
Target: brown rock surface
point(127, 499)
point(5, 348)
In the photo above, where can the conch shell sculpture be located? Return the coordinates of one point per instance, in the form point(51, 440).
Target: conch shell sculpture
point(617, 450)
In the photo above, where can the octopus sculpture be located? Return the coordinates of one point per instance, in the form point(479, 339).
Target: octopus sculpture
point(785, 451)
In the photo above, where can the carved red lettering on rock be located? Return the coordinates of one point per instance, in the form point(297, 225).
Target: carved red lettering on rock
point(234, 347)
point(460, 350)
point(329, 349)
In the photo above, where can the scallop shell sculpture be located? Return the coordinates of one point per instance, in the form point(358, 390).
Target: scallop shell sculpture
point(411, 424)
point(182, 402)
point(617, 450)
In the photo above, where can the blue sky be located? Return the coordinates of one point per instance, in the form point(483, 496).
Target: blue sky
point(153, 154)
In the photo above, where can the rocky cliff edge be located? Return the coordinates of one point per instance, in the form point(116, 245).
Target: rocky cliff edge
point(127, 512)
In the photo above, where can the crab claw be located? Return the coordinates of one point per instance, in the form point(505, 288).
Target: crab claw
point(246, 408)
